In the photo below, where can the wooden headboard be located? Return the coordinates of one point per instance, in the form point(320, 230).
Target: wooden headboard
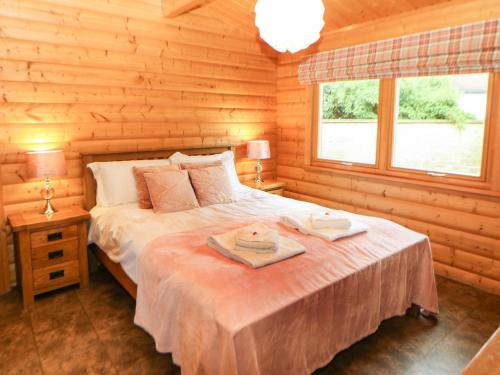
point(89, 183)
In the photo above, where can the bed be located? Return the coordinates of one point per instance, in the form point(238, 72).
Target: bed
point(90, 188)
point(217, 316)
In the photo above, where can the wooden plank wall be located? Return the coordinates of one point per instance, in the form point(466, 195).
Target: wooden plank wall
point(95, 76)
point(115, 75)
point(4, 255)
point(464, 228)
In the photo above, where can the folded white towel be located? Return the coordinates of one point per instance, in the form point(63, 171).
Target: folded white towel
point(327, 220)
point(259, 250)
point(257, 236)
point(302, 222)
point(225, 244)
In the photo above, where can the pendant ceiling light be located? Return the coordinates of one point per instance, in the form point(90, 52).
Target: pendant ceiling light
point(289, 25)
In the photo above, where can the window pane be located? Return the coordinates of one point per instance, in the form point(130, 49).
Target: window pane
point(347, 129)
point(440, 123)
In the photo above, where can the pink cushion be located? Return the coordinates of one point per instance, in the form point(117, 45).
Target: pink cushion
point(200, 165)
point(171, 191)
point(212, 185)
point(142, 189)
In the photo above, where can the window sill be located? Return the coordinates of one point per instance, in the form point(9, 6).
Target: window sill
point(480, 188)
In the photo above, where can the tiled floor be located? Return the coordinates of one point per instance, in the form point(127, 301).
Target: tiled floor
point(92, 332)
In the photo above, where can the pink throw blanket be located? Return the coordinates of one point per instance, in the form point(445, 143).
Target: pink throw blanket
point(217, 316)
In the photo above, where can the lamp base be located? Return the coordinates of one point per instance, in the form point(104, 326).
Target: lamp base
point(258, 169)
point(48, 193)
point(48, 210)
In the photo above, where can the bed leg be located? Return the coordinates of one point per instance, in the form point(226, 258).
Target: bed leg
point(413, 311)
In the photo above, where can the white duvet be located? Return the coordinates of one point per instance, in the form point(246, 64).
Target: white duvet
point(123, 231)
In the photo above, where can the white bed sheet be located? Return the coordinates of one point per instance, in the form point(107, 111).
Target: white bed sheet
point(123, 231)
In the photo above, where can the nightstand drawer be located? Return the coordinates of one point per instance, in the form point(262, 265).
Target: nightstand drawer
point(276, 192)
point(45, 279)
point(44, 237)
point(54, 253)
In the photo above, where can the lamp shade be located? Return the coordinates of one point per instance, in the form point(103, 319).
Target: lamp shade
point(42, 164)
point(258, 150)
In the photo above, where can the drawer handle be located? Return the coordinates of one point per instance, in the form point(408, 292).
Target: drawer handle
point(54, 236)
point(56, 275)
point(56, 254)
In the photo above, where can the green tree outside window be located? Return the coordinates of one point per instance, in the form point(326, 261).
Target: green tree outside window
point(423, 98)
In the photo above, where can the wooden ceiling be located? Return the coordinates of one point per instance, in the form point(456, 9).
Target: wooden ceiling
point(341, 13)
point(338, 13)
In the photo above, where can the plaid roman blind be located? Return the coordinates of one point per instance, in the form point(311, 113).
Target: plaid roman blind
point(471, 48)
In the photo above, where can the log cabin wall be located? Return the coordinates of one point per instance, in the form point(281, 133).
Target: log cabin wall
point(98, 76)
point(464, 228)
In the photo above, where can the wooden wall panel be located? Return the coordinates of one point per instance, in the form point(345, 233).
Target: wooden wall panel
point(464, 228)
point(116, 75)
point(4, 255)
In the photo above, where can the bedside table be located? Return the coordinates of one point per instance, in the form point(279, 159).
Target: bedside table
point(50, 253)
point(271, 186)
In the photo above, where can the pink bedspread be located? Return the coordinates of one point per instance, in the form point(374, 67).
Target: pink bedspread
point(217, 316)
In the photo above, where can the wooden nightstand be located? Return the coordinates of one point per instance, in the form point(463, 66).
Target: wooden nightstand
point(271, 186)
point(50, 253)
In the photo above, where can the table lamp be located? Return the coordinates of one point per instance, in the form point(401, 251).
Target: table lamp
point(46, 164)
point(258, 150)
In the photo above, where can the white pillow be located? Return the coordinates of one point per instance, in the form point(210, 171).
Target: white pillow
point(227, 158)
point(115, 180)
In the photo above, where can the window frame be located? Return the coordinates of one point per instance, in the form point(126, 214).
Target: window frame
point(341, 164)
point(387, 118)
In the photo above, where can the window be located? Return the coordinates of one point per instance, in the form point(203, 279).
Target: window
point(439, 126)
point(348, 122)
point(428, 129)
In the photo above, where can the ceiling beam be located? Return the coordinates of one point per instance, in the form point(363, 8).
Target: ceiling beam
point(173, 8)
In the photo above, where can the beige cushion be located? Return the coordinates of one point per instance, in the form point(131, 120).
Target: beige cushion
point(144, 199)
point(201, 164)
point(212, 185)
point(227, 159)
point(171, 191)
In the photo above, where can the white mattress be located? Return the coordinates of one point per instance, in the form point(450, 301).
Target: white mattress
point(123, 231)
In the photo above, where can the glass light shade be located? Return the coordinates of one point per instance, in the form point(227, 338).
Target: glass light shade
point(289, 25)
